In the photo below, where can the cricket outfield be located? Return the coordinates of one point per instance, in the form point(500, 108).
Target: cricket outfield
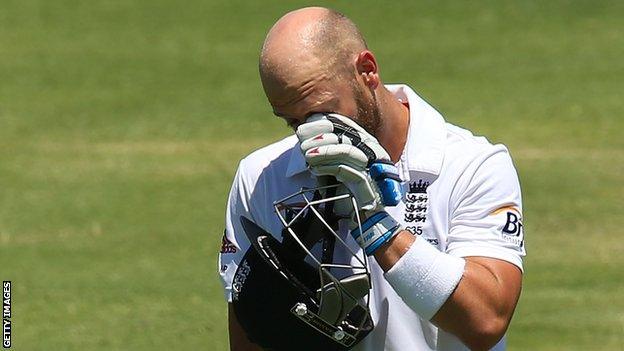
point(122, 123)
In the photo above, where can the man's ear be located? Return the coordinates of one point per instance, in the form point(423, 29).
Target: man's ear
point(367, 69)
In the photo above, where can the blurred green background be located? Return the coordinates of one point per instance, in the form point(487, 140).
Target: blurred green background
point(122, 123)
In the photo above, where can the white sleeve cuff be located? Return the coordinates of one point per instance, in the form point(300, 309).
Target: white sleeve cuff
point(481, 251)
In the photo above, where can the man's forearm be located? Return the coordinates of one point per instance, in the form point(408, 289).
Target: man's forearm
point(478, 311)
point(390, 253)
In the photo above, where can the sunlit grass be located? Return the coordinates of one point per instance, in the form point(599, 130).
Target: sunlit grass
point(122, 123)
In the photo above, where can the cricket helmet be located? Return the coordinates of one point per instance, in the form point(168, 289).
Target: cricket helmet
point(290, 295)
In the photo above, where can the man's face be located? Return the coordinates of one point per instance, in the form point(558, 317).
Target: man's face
point(368, 115)
point(295, 99)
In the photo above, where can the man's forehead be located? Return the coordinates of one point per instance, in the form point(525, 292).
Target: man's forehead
point(297, 87)
point(314, 101)
point(292, 74)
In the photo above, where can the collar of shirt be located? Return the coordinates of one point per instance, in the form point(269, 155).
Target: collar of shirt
point(424, 150)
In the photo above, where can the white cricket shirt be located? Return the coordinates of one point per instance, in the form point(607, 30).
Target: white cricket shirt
point(462, 194)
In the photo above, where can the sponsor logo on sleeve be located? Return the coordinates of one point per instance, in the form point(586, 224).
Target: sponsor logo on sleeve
point(512, 231)
point(227, 247)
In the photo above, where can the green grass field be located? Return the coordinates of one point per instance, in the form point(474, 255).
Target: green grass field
point(122, 123)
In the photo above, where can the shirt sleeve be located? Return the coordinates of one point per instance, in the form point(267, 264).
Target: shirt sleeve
point(234, 242)
point(487, 218)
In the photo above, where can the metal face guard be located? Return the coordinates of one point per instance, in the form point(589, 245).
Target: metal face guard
point(343, 303)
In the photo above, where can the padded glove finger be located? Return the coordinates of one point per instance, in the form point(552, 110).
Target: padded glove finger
point(347, 130)
point(359, 137)
point(336, 154)
point(324, 139)
point(314, 125)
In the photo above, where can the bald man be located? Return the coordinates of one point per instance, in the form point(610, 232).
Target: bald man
point(459, 220)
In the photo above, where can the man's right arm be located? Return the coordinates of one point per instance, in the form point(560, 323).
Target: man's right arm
point(238, 338)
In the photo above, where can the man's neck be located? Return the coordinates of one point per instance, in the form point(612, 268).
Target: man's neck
point(392, 133)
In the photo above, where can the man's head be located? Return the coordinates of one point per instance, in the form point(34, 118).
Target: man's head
point(315, 60)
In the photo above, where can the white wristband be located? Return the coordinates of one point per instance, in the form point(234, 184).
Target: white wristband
point(425, 277)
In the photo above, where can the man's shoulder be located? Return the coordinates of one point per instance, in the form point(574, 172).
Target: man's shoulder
point(276, 156)
point(457, 136)
point(463, 147)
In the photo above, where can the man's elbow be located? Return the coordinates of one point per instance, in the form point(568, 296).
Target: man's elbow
point(486, 334)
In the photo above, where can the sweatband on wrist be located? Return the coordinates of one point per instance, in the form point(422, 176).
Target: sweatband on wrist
point(425, 277)
point(377, 230)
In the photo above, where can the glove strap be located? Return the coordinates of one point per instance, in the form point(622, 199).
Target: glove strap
point(377, 230)
point(386, 175)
